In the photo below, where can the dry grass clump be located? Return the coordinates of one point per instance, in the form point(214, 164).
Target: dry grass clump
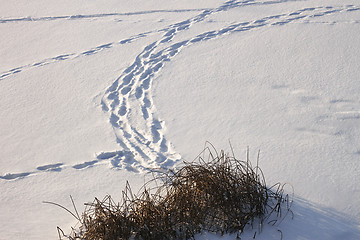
point(216, 193)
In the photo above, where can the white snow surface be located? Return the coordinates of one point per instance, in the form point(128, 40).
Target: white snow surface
point(95, 92)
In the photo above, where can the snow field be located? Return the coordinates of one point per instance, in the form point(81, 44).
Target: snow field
point(94, 93)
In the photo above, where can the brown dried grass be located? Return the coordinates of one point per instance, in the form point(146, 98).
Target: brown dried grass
point(216, 193)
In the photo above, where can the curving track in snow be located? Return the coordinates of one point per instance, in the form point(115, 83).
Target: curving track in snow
point(128, 101)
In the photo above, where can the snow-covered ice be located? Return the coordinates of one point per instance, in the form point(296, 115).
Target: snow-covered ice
point(95, 92)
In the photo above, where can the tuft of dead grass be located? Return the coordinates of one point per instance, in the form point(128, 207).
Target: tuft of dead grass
point(216, 193)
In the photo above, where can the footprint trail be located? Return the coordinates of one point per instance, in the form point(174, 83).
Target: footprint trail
point(129, 101)
point(68, 56)
point(139, 131)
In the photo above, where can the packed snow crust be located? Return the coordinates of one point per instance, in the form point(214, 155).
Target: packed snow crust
point(95, 92)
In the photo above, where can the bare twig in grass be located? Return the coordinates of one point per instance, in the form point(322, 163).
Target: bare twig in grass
point(216, 193)
point(66, 209)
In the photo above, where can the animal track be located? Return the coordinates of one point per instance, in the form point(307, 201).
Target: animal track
point(92, 16)
point(12, 176)
point(136, 81)
point(50, 167)
point(115, 158)
point(128, 101)
point(85, 164)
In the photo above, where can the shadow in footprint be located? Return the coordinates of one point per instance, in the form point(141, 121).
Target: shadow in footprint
point(12, 176)
point(107, 155)
point(51, 167)
point(163, 146)
point(131, 169)
point(155, 134)
point(85, 164)
point(114, 120)
point(116, 162)
point(340, 101)
point(138, 92)
point(121, 159)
